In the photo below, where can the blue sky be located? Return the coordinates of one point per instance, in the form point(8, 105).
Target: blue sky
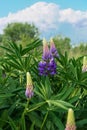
point(67, 17)
point(7, 6)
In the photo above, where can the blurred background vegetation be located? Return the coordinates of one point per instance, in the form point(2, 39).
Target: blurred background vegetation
point(24, 33)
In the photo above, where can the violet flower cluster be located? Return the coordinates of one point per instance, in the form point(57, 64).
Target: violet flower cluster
point(48, 66)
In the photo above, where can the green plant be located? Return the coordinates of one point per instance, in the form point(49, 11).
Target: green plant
point(53, 95)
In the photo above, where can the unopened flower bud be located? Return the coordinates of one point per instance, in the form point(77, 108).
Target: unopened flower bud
point(70, 125)
point(29, 86)
point(84, 67)
point(46, 52)
point(53, 49)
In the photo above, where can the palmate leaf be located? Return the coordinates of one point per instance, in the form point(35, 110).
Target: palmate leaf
point(41, 91)
point(17, 51)
point(60, 94)
point(39, 94)
point(31, 46)
point(15, 65)
point(14, 60)
point(63, 60)
point(64, 94)
point(74, 99)
point(69, 90)
point(44, 89)
point(17, 57)
point(14, 48)
point(26, 62)
point(7, 49)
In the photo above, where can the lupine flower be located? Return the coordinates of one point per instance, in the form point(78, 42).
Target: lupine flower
point(84, 68)
point(46, 68)
point(53, 49)
point(46, 52)
point(52, 67)
point(70, 120)
point(29, 86)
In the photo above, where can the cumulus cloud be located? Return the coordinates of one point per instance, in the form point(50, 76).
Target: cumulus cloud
point(74, 17)
point(46, 16)
point(42, 14)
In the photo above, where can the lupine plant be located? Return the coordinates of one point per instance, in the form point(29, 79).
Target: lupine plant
point(37, 88)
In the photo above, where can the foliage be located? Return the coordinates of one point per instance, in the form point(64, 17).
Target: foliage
point(53, 95)
point(62, 43)
point(79, 50)
point(23, 33)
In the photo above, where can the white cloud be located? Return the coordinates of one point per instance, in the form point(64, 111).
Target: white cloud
point(47, 16)
point(42, 14)
point(74, 17)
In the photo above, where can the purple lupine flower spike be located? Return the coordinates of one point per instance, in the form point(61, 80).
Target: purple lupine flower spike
point(47, 66)
point(42, 67)
point(46, 51)
point(52, 67)
point(29, 87)
point(53, 49)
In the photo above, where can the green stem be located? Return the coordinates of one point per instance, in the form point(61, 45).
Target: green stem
point(26, 106)
point(20, 79)
point(23, 115)
point(44, 121)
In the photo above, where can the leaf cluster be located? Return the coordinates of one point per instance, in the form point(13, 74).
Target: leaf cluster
point(53, 96)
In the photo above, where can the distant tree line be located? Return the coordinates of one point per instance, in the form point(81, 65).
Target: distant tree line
point(24, 33)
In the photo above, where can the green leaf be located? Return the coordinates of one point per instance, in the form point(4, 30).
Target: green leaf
point(35, 106)
point(32, 126)
point(81, 122)
point(23, 125)
point(69, 90)
point(73, 99)
point(59, 103)
point(57, 121)
point(13, 106)
point(6, 95)
point(4, 118)
point(35, 119)
point(12, 124)
point(31, 46)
